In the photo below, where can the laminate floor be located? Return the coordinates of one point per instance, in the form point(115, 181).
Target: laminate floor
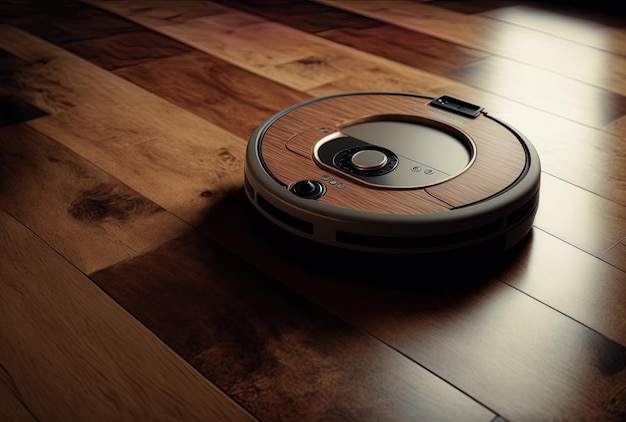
point(135, 284)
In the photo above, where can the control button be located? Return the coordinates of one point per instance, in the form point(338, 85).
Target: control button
point(429, 171)
point(416, 168)
point(369, 159)
point(341, 185)
point(309, 189)
point(333, 182)
point(325, 177)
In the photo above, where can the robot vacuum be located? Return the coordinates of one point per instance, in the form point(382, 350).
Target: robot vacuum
point(393, 173)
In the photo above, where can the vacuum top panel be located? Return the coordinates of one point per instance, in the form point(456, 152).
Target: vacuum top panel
point(399, 166)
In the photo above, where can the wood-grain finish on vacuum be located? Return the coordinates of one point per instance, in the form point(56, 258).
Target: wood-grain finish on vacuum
point(499, 160)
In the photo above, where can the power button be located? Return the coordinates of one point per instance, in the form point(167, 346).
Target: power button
point(309, 189)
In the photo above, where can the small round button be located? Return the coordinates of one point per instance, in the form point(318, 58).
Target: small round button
point(309, 189)
point(369, 159)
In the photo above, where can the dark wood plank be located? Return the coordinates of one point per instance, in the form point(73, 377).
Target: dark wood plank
point(304, 15)
point(405, 46)
point(572, 282)
point(68, 352)
point(279, 355)
point(221, 93)
point(14, 109)
point(46, 187)
point(12, 406)
point(126, 49)
point(531, 360)
point(579, 217)
point(63, 21)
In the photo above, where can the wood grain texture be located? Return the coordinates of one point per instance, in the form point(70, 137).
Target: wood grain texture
point(63, 21)
point(103, 220)
point(198, 82)
point(504, 339)
point(127, 49)
point(135, 283)
point(512, 41)
point(70, 353)
point(499, 163)
point(584, 156)
point(274, 352)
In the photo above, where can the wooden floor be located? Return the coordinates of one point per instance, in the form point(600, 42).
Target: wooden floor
point(134, 285)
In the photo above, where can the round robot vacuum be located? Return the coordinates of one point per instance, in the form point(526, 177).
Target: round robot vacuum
point(393, 173)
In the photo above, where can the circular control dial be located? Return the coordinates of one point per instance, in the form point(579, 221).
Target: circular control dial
point(369, 159)
point(365, 161)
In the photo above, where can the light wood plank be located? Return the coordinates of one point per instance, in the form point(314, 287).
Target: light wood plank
point(609, 36)
point(74, 354)
point(617, 126)
point(555, 54)
point(543, 90)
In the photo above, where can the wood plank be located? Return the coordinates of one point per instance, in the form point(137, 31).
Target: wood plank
point(578, 217)
point(46, 187)
point(277, 52)
point(510, 351)
point(405, 46)
point(126, 49)
point(500, 39)
point(12, 406)
point(616, 255)
point(230, 97)
point(569, 150)
point(544, 90)
point(570, 289)
point(617, 126)
point(71, 353)
point(306, 16)
point(588, 158)
point(279, 355)
point(72, 128)
point(601, 31)
point(64, 22)
point(532, 86)
point(572, 282)
point(127, 131)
